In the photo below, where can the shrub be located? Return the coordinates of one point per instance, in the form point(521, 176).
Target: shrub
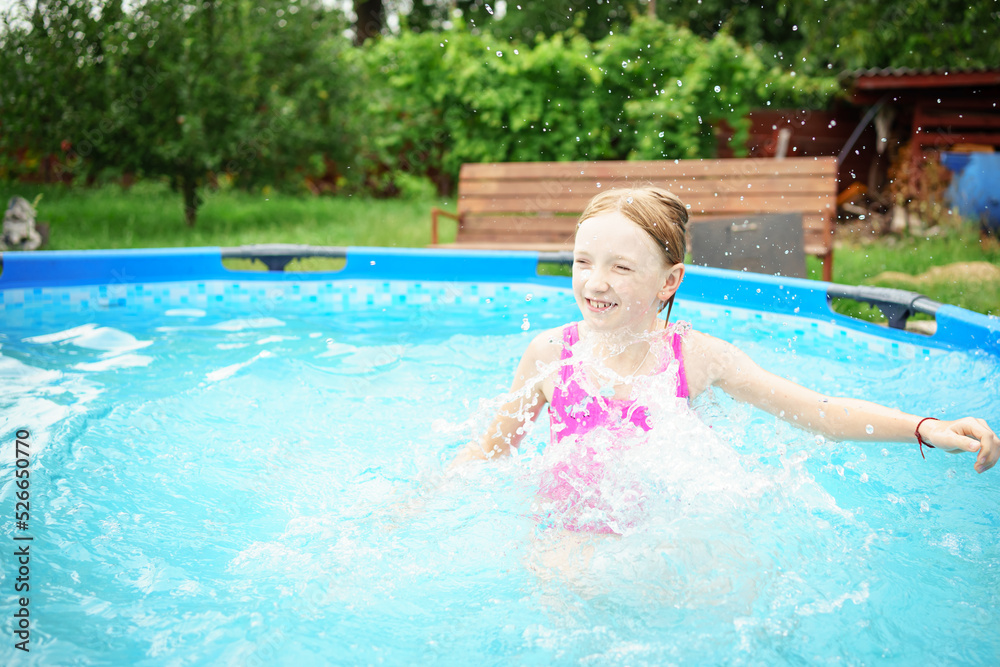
point(433, 101)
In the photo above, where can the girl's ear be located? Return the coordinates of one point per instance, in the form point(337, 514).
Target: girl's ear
point(673, 280)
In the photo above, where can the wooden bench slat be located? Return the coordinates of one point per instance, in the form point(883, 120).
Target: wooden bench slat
point(527, 231)
point(723, 203)
point(510, 224)
point(495, 245)
point(628, 170)
point(808, 248)
point(523, 189)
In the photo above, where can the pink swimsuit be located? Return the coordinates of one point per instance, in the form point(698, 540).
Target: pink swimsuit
point(575, 411)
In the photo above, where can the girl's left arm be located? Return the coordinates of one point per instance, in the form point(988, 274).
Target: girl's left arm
point(734, 372)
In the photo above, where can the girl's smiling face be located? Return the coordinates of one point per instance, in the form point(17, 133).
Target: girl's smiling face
point(620, 276)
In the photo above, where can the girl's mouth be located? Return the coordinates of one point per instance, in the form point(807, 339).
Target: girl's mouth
point(600, 306)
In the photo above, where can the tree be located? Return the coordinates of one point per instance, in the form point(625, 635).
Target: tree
point(244, 88)
point(59, 64)
point(370, 20)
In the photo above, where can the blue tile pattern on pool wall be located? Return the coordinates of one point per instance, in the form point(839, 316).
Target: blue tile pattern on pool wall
point(338, 296)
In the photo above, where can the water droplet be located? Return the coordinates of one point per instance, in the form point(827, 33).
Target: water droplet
point(679, 83)
point(718, 89)
point(515, 52)
point(372, 262)
point(499, 54)
point(661, 134)
point(527, 297)
point(598, 185)
point(525, 324)
point(489, 9)
point(869, 429)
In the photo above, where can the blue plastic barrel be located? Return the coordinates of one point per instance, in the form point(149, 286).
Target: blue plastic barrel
point(975, 190)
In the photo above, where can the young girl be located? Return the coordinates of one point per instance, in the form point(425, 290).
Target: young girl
point(627, 266)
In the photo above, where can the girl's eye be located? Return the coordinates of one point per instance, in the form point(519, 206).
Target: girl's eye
point(623, 268)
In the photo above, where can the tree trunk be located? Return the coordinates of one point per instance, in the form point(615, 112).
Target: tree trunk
point(191, 200)
point(370, 18)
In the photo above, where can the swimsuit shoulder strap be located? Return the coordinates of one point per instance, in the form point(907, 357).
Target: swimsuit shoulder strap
point(571, 334)
point(682, 383)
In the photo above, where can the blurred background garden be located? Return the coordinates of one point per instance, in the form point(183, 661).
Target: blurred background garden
point(160, 123)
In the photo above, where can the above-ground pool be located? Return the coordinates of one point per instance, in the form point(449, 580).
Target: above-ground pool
point(246, 468)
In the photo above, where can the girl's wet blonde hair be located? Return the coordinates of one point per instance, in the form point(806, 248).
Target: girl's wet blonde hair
point(659, 212)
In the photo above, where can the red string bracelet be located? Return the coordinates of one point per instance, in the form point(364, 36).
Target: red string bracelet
point(920, 441)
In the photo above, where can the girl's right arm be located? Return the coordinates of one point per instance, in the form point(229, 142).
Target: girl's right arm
point(529, 394)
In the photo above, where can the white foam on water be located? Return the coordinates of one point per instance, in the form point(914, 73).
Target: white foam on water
point(115, 363)
point(245, 323)
point(185, 312)
point(61, 335)
point(275, 339)
point(17, 375)
point(228, 371)
point(109, 340)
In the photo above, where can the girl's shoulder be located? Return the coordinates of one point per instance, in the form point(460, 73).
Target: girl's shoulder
point(709, 360)
point(548, 345)
point(699, 342)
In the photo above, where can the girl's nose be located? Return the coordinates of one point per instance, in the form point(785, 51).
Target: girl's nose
point(596, 281)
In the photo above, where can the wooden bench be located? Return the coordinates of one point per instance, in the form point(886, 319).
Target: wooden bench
point(535, 205)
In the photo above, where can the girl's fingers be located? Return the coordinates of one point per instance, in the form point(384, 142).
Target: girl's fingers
point(972, 435)
point(989, 447)
point(954, 437)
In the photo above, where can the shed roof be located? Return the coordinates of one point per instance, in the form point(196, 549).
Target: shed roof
point(897, 78)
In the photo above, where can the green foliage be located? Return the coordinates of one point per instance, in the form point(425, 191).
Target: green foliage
point(247, 90)
point(949, 34)
point(59, 63)
point(436, 100)
point(808, 36)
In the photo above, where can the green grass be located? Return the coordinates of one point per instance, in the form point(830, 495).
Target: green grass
point(150, 215)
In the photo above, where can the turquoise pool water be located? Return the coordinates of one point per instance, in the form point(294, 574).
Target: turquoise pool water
point(218, 468)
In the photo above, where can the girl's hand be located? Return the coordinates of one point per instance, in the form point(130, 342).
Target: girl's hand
point(964, 435)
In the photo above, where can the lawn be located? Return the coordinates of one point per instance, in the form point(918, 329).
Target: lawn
point(150, 215)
